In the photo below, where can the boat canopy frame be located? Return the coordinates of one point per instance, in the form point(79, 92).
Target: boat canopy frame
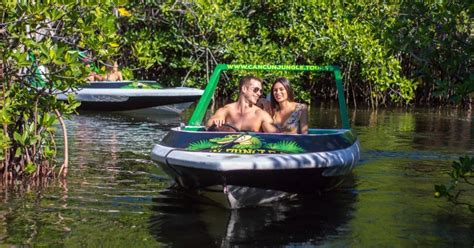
point(203, 104)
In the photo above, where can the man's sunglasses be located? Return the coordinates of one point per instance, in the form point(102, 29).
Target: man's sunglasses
point(256, 89)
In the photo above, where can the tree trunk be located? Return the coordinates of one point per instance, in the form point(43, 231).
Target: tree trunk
point(64, 166)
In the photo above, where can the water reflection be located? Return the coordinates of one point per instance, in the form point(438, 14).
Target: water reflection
point(158, 116)
point(461, 230)
point(179, 221)
point(448, 130)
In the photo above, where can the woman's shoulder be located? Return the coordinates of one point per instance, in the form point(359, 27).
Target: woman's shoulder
point(301, 106)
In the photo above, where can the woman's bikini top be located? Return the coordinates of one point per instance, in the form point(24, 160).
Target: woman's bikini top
point(293, 122)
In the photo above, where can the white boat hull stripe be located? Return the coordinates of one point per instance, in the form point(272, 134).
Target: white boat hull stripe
point(135, 92)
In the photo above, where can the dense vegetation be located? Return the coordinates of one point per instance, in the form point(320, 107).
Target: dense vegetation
point(389, 54)
point(49, 35)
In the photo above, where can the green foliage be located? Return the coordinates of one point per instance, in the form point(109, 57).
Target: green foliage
point(387, 53)
point(200, 145)
point(434, 41)
point(39, 58)
point(462, 172)
point(204, 34)
point(30, 168)
point(285, 146)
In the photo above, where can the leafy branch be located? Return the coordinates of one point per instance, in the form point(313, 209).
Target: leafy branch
point(462, 172)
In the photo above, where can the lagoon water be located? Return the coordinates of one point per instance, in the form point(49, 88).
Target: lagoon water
point(115, 196)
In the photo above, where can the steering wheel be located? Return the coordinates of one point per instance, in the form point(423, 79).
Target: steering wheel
point(213, 127)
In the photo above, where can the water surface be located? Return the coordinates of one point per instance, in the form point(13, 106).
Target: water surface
point(116, 197)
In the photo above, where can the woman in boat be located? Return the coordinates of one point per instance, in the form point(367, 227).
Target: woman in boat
point(289, 116)
point(113, 74)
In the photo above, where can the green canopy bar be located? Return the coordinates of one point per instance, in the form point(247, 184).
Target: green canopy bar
point(203, 104)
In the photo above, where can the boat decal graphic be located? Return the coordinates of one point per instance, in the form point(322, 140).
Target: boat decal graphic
point(286, 146)
point(244, 144)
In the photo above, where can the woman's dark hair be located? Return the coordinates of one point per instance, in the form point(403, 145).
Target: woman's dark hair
point(291, 96)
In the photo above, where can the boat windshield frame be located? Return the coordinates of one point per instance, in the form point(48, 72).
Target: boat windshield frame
point(203, 104)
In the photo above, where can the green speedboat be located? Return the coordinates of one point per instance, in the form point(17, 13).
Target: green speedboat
point(250, 168)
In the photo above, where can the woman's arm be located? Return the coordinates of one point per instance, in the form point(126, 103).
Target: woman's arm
point(304, 120)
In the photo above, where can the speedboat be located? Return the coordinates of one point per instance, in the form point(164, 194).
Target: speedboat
point(240, 168)
point(129, 95)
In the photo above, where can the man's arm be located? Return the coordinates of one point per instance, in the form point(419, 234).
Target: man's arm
point(267, 123)
point(98, 77)
point(218, 118)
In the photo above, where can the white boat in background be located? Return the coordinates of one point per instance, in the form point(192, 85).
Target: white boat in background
point(129, 95)
point(173, 108)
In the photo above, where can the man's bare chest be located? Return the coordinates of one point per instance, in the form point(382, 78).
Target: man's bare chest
point(246, 121)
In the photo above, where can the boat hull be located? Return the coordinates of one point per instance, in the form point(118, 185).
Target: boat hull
point(122, 96)
point(318, 168)
point(302, 181)
point(134, 102)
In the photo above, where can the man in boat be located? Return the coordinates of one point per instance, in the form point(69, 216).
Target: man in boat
point(94, 76)
point(244, 114)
